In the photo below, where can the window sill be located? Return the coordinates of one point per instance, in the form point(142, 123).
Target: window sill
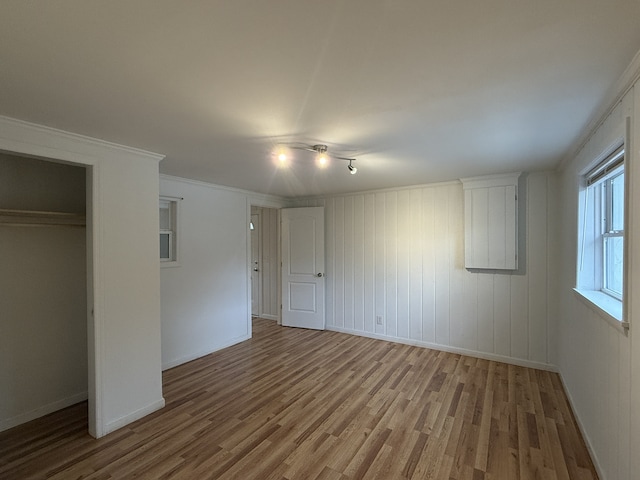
point(169, 264)
point(609, 308)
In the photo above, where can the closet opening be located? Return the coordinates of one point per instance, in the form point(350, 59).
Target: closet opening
point(44, 246)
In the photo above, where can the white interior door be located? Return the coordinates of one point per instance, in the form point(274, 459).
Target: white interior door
point(303, 267)
point(255, 265)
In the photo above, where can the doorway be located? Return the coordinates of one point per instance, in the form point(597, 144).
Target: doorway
point(265, 262)
point(44, 346)
point(256, 293)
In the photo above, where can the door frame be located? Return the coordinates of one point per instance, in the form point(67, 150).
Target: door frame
point(275, 204)
point(258, 238)
point(49, 144)
point(95, 421)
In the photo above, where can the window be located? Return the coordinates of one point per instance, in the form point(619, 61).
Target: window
point(168, 223)
point(601, 249)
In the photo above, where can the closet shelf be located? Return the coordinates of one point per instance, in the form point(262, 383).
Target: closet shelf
point(35, 218)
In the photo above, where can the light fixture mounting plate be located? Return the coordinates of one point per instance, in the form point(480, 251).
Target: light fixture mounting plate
point(320, 148)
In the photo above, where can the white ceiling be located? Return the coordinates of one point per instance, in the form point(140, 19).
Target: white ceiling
point(418, 91)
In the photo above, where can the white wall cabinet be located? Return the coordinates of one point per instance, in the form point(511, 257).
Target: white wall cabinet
point(491, 222)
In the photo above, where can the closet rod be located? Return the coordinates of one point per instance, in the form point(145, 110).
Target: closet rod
point(34, 218)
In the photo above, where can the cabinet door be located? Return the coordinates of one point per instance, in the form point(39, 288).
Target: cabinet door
point(491, 226)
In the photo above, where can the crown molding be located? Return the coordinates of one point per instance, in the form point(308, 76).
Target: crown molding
point(32, 139)
point(379, 190)
point(253, 195)
point(488, 181)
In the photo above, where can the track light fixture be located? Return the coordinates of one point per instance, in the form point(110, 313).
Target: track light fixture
point(322, 156)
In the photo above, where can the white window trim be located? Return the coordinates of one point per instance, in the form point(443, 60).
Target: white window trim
point(608, 307)
point(176, 232)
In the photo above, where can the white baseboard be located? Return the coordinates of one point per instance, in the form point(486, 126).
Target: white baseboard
point(269, 317)
point(42, 411)
point(446, 348)
point(202, 353)
point(587, 440)
point(133, 416)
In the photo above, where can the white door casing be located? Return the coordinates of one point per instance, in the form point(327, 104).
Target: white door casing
point(303, 284)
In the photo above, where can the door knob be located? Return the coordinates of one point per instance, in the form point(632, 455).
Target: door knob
point(319, 275)
point(255, 269)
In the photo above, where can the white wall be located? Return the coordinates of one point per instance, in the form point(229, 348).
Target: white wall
point(399, 254)
point(43, 300)
point(599, 364)
point(206, 299)
point(123, 293)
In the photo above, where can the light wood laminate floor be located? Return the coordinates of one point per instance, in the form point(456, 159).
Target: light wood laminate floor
point(293, 404)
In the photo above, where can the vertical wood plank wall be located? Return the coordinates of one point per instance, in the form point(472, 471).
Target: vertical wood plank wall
point(399, 255)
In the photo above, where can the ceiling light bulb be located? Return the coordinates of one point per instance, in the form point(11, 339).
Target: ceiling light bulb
point(281, 159)
point(352, 170)
point(323, 161)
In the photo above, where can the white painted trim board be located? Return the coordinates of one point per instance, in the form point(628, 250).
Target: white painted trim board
point(133, 416)
point(42, 411)
point(445, 348)
point(203, 353)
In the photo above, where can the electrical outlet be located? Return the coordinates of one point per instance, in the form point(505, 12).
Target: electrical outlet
point(378, 320)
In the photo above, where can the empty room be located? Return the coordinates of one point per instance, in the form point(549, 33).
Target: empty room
point(351, 239)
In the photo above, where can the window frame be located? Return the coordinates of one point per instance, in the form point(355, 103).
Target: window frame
point(173, 205)
point(595, 227)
